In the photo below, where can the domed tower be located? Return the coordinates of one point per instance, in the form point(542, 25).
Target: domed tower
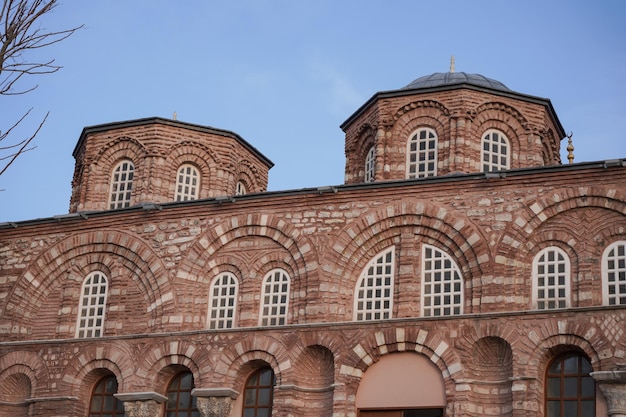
point(446, 123)
point(160, 160)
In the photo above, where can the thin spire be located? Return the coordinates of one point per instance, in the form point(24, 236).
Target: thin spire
point(452, 63)
point(570, 148)
point(175, 116)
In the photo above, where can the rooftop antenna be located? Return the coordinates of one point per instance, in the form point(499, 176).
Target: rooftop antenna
point(570, 148)
point(452, 63)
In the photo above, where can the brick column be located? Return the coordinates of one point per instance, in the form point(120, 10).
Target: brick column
point(141, 404)
point(613, 386)
point(214, 402)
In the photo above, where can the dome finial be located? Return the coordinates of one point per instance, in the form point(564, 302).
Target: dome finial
point(452, 63)
point(570, 148)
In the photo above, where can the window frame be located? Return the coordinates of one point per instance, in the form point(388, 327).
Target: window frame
point(220, 310)
point(428, 308)
point(118, 406)
point(557, 286)
point(190, 409)
point(115, 202)
point(240, 188)
point(490, 165)
point(370, 165)
point(275, 311)
point(618, 287)
point(564, 379)
point(84, 331)
point(367, 305)
point(256, 388)
point(185, 174)
point(429, 153)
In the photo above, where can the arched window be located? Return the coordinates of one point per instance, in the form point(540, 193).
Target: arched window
point(92, 305)
point(121, 185)
point(222, 301)
point(370, 164)
point(275, 298)
point(614, 274)
point(422, 154)
point(495, 151)
point(103, 403)
point(570, 391)
point(442, 284)
point(187, 183)
point(180, 402)
point(551, 279)
point(373, 297)
point(240, 188)
point(259, 394)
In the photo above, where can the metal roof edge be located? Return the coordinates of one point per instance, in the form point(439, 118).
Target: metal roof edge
point(149, 206)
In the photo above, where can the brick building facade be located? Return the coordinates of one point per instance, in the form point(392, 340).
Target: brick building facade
point(461, 270)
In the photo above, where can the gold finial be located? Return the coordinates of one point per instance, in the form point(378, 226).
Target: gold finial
point(452, 63)
point(570, 148)
point(175, 115)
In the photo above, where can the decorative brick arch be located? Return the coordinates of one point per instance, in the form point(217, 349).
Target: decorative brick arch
point(94, 361)
point(27, 365)
point(371, 347)
point(314, 367)
point(419, 107)
point(246, 172)
point(550, 147)
point(508, 120)
point(248, 354)
point(194, 153)
point(199, 256)
point(376, 230)
point(96, 188)
point(357, 149)
point(48, 271)
point(168, 357)
point(527, 223)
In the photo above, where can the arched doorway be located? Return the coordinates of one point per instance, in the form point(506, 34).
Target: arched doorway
point(401, 385)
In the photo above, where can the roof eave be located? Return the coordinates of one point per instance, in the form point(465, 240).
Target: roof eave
point(168, 122)
point(412, 91)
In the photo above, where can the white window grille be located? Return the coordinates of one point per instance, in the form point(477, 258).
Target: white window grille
point(442, 284)
point(223, 301)
point(614, 274)
point(551, 282)
point(121, 185)
point(370, 164)
point(275, 298)
point(187, 183)
point(496, 151)
point(92, 305)
point(422, 154)
point(373, 299)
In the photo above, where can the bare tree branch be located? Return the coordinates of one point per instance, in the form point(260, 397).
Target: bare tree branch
point(22, 144)
point(20, 33)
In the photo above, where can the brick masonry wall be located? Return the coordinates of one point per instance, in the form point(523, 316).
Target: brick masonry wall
point(460, 118)
point(157, 151)
point(161, 264)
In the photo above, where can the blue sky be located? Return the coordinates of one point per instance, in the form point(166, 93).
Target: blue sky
point(284, 74)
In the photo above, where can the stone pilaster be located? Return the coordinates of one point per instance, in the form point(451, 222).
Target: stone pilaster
point(214, 402)
point(613, 387)
point(141, 404)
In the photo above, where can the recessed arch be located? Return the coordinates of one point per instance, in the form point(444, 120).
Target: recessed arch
point(403, 380)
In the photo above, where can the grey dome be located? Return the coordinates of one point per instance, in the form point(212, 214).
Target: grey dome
point(440, 79)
